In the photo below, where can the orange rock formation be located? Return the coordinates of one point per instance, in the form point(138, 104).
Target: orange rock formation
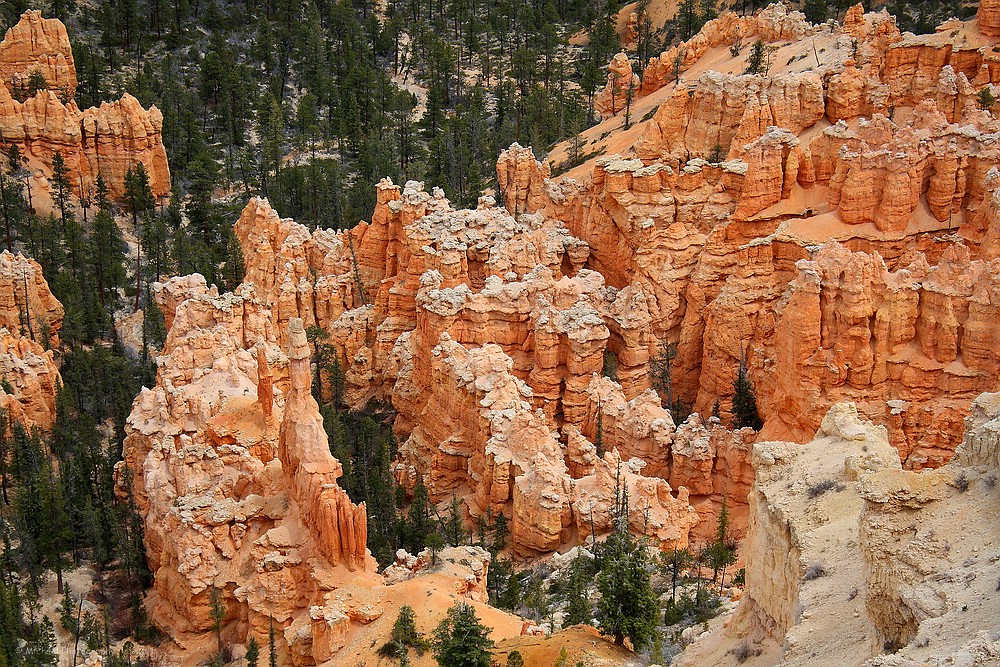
point(230, 468)
point(29, 317)
point(36, 44)
point(107, 140)
point(236, 498)
point(722, 210)
point(485, 319)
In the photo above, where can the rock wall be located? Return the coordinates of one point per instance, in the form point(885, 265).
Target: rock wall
point(230, 468)
point(107, 140)
point(36, 44)
point(924, 593)
point(802, 496)
point(33, 378)
point(924, 577)
point(858, 140)
point(27, 307)
point(30, 319)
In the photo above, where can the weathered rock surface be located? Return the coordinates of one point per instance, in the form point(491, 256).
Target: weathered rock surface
point(36, 44)
point(857, 136)
point(237, 494)
point(34, 380)
point(27, 307)
point(230, 468)
point(30, 319)
point(107, 140)
point(622, 88)
point(818, 510)
point(489, 338)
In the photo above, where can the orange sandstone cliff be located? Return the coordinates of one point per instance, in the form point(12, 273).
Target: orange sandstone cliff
point(30, 318)
point(107, 140)
point(230, 468)
point(833, 219)
point(41, 45)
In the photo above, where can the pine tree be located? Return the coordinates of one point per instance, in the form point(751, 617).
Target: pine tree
point(253, 652)
point(404, 636)
point(578, 608)
point(41, 647)
point(500, 533)
point(758, 61)
point(460, 640)
point(985, 99)
point(628, 606)
point(453, 524)
point(745, 413)
point(272, 650)
point(63, 188)
point(217, 611)
point(660, 368)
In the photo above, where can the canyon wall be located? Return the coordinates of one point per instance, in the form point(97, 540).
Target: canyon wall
point(30, 319)
point(832, 221)
point(36, 44)
point(107, 140)
point(924, 591)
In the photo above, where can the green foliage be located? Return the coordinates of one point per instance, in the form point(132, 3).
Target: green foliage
point(217, 612)
point(419, 524)
point(815, 10)
point(364, 444)
point(759, 60)
point(253, 652)
point(661, 371)
point(435, 543)
point(63, 189)
point(514, 659)
point(500, 533)
point(745, 413)
point(575, 590)
point(404, 636)
point(460, 640)
point(923, 16)
point(985, 99)
point(272, 649)
point(453, 523)
point(610, 369)
point(628, 606)
point(503, 584)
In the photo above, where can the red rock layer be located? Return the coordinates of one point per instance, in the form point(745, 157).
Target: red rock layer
point(107, 140)
point(35, 44)
point(231, 471)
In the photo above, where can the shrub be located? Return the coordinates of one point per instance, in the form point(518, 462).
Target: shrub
point(815, 570)
point(743, 651)
point(515, 659)
point(962, 482)
point(820, 488)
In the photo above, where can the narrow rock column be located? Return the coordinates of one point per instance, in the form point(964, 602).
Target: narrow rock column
point(265, 384)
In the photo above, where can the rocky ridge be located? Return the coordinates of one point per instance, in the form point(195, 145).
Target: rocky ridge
point(30, 319)
point(863, 150)
point(924, 593)
point(107, 140)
